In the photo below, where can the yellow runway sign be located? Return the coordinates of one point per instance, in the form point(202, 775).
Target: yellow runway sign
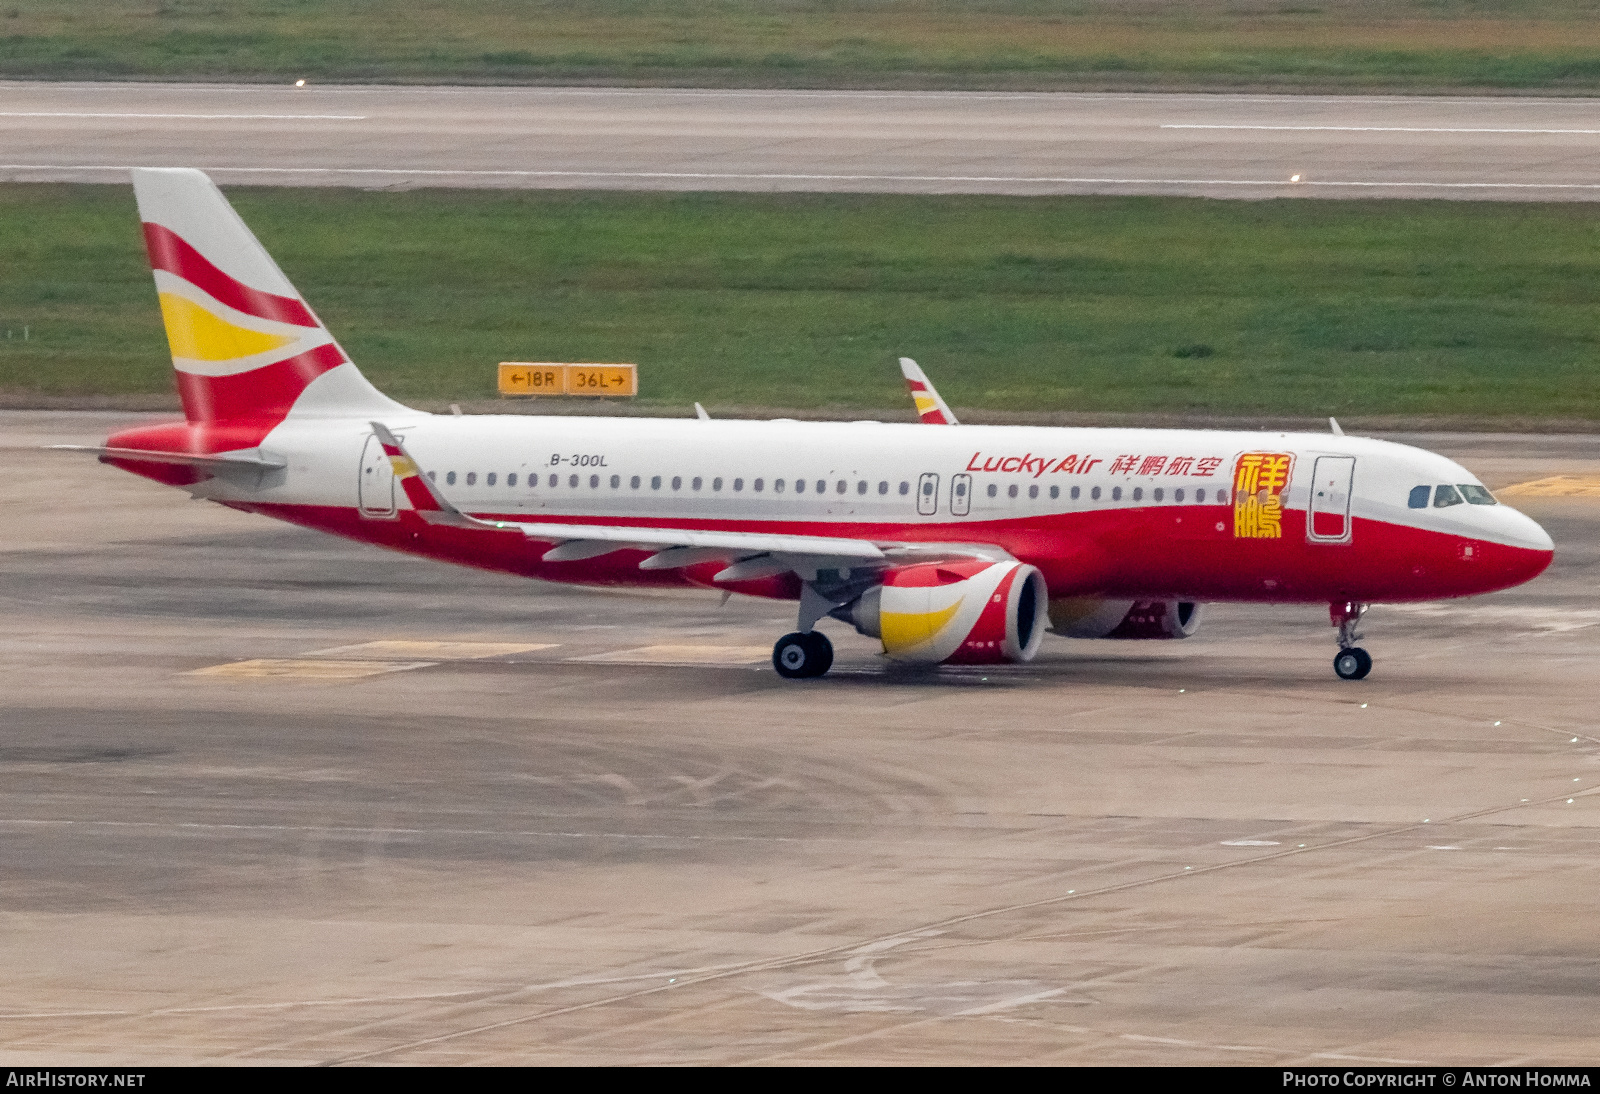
point(553, 378)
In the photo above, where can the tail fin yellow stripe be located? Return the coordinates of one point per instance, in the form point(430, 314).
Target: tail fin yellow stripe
point(197, 334)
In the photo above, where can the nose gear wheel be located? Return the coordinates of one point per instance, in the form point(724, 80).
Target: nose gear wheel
point(1353, 663)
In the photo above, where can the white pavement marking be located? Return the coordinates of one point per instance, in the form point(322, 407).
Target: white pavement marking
point(397, 650)
point(683, 655)
point(1374, 129)
point(710, 176)
point(303, 669)
point(199, 117)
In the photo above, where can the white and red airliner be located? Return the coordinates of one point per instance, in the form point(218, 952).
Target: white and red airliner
point(960, 544)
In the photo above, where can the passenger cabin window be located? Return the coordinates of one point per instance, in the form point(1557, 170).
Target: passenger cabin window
point(511, 479)
point(433, 476)
point(572, 481)
point(1419, 497)
point(1199, 495)
point(777, 485)
point(1116, 493)
point(883, 488)
point(1157, 493)
point(861, 487)
point(905, 488)
point(677, 482)
point(1444, 496)
point(1012, 492)
point(716, 484)
point(695, 484)
point(1138, 493)
point(555, 480)
point(1094, 494)
point(822, 487)
point(633, 483)
point(1055, 492)
point(655, 482)
point(616, 481)
point(1033, 491)
point(449, 478)
point(993, 490)
point(757, 485)
point(472, 478)
point(1476, 495)
point(489, 479)
point(799, 486)
point(1076, 490)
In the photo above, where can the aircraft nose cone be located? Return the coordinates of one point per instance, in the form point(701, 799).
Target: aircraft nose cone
point(1529, 548)
point(1529, 534)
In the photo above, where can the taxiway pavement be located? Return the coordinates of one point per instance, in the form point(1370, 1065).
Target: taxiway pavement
point(270, 797)
point(1216, 145)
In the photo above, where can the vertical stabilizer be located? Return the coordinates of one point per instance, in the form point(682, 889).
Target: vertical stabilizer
point(246, 347)
point(930, 407)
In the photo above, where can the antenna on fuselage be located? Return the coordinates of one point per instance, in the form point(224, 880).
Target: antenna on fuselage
point(1333, 424)
point(700, 412)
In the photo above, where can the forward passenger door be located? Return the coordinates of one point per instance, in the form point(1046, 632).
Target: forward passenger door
point(1328, 515)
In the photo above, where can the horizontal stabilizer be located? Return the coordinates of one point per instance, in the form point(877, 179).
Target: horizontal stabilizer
point(221, 461)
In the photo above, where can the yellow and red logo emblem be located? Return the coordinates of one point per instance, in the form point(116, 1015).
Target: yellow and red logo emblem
point(1259, 479)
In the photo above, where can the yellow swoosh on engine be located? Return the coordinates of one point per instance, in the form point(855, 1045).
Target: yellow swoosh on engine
point(902, 629)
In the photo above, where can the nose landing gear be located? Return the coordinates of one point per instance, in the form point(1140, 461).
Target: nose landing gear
point(1352, 662)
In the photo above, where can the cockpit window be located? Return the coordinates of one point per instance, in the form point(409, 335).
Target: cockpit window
point(1476, 495)
point(1445, 496)
point(1419, 497)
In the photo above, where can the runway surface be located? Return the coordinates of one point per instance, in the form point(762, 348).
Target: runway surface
point(910, 142)
point(273, 797)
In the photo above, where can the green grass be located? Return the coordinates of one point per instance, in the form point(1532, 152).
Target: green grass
point(949, 43)
point(1073, 303)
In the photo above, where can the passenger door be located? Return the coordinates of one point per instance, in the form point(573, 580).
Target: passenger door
point(928, 494)
point(376, 484)
point(1328, 515)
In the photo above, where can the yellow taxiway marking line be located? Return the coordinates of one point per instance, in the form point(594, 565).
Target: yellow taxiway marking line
point(433, 651)
point(684, 655)
point(1556, 486)
point(304, 669)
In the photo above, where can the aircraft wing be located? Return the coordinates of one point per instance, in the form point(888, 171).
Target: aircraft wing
point(750, 554)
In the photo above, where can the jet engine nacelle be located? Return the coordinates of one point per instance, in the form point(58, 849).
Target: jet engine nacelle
point(969, 612)
point(1086, 618)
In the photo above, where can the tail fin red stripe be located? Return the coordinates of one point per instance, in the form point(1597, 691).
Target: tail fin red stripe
point(262, 395)
point(170, 252)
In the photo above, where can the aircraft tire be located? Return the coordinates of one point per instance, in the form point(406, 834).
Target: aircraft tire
point(1353, 663)
point(800, 656)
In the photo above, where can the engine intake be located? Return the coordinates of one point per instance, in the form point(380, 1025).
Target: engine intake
point(964, 612)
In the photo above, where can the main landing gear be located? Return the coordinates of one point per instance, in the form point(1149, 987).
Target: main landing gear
point(802, 654)
point(1352, 662)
